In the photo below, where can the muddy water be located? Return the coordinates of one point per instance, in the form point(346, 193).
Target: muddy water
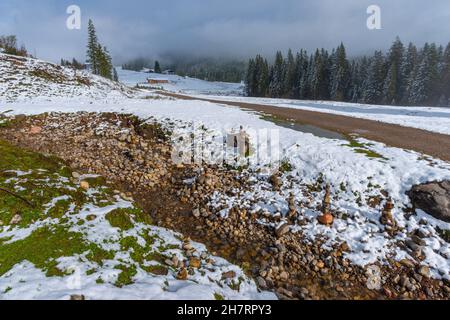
point(297, 126)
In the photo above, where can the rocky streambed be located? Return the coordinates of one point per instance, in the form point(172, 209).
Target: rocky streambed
point(135, 157)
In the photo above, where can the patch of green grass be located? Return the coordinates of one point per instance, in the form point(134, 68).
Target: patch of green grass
point(42, 248)
point(218, 297)
point(126, 276)
point(285, 166)
point(363, 149)
point(120, 218)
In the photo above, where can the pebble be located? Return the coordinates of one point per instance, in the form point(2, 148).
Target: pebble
point(16, 219)
point(282, 230)
point(84, 185)
point(183, 274)
point(196, 213)
point(424, 271)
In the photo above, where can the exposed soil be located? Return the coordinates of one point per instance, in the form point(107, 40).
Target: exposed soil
point(426, 142)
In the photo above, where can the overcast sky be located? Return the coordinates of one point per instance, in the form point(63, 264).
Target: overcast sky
point(235, 28)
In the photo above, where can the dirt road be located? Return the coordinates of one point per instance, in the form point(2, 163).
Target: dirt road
point(426, 142)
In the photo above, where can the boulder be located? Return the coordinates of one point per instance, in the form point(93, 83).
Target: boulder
point(433, 198)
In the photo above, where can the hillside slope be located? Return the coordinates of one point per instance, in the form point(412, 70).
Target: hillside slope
point(23, 79)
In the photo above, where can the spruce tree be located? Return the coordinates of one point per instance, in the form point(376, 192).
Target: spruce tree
point(340, 79)
point(393, 82)
point(445, 79)
point(289, 84)
point(373, 86)
point(92, 48)
point(157, 67)
point(278, 75)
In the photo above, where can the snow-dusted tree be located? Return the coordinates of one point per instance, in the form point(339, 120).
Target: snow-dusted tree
point(289, 85)
point(340, 75)
point(92, 48)
point(373, 86)
point(301, 69)
point(320, 76)
point(407, 69)
point(423, 89)
point(445, 78)
point(393, 82)
point(278, 76)
point(115, 75)
point(157, 67)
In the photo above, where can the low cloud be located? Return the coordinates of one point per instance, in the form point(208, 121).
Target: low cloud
point(217, 28)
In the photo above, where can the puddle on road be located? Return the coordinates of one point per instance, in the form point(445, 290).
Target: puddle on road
point(306, 128)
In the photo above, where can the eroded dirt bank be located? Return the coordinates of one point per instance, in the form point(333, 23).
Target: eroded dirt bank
point(136, 159)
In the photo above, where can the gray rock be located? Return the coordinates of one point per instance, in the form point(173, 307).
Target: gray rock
point(282, 230)
point(433, 198)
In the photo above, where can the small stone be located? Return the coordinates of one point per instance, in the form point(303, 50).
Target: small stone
point(424, 271)
point(183, 274)
point(195, 263)
point(75, 175)
point(16, 219)
point(326, 219)
point(284, 276)
point(196, 213)
point(77, 297)
point(261, 282)
point(35, 130)
point(228, 275)
point(84, 185)
point(320, 264)
point(282, 230)
point(407, 263)
point(275, 181)
point(169, 262)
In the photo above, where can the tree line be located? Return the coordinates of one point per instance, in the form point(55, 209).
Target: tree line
point(98, 56)
point(403, 76)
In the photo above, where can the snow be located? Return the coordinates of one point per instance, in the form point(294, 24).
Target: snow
point(432, 119)
point(311, 157)
point(25, 281)
point(180, 84)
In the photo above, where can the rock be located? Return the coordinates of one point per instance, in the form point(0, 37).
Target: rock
point(16, 219)
point(284, 276)
point(261, 282)
point(196, 213)
point(195, 263)
point(77, 297)
point(282, 230)
point(84, 185)
point(407, 263)
point(228, 275)
point(326, 219)
point(75, 175)
point(433, 198)
point(183, 274)
point(320, 264)
point(276, 182)
point(424, 271)
point(35, 130)
point(169, 262)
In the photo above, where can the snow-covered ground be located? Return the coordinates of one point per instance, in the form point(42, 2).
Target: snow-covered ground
point(180, 84)
point(426, 118)
point(104, 260)
point(354, 176)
